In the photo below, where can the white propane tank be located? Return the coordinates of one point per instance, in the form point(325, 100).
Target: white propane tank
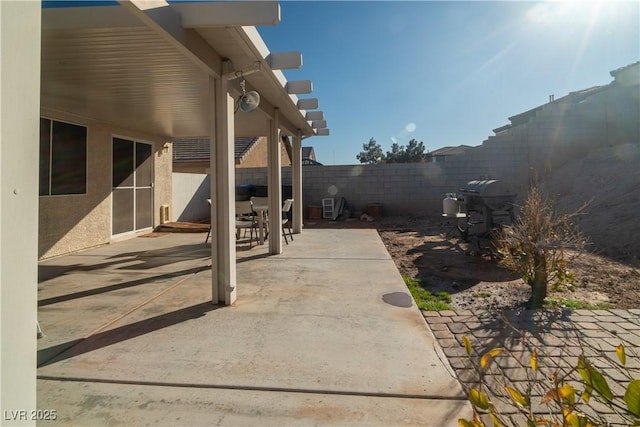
point(450, 205)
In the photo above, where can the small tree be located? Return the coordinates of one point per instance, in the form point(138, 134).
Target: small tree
point(536, 245)
point(396, 155)
point(371, 153)
point(414, 152)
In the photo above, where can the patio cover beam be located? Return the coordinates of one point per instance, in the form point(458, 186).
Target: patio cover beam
point(283, 124)
point(160, 17)
point(290, 118)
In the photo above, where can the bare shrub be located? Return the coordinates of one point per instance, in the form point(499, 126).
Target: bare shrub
point(539, 245)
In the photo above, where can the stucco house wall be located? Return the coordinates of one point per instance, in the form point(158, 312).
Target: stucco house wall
point(69, 223)
point(163, 176)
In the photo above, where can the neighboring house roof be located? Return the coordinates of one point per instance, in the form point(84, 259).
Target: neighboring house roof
point(617, 71)
point(502, 128)
point(243, 146)
point(310, 162)
point(574, 97)
point(308, 153)
point(628, 75)
point(524, 117)
point(197, 149)
point(449, 151)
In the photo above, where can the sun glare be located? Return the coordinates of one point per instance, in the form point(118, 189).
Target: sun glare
point(566, 12)
point(572, 22)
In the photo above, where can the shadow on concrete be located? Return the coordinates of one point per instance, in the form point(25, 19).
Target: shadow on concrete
point(119, 286)
point(139, 260)
point(57, 353)
point(253, 257)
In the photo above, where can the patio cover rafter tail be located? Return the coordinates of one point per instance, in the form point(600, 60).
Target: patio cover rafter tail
point(250, 40)
point(228, 14)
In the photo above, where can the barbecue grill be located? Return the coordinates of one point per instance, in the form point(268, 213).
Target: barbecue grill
point(480, 206)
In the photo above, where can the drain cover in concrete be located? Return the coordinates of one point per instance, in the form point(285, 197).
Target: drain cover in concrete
point(399, 299)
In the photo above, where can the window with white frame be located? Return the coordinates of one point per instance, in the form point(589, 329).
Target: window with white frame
point(63, 158)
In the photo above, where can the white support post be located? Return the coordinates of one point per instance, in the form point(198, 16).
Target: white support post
point(213, 173)
point(296, 180)
point(222, 166)
point(19, 136)
point(275, 186)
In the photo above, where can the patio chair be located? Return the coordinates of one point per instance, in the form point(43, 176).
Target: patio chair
point(246, 218)
point(208, 232)
point(261, 208)
point(286, 209)
point(259, 200)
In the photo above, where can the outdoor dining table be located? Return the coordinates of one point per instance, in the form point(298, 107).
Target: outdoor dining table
point(263, 212)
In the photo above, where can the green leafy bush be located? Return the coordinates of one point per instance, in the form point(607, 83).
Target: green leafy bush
point(550, 395)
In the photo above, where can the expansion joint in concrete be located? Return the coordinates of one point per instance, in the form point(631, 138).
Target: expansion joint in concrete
point(255, 388)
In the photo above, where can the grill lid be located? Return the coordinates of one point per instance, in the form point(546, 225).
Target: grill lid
point(487, 188)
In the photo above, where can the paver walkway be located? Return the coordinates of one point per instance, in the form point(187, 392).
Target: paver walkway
point(558, 337)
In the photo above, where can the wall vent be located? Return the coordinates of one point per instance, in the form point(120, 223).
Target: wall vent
point(164, 214)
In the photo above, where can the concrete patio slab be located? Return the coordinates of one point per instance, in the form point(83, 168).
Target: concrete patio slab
point(324, 334)
point(99, 404)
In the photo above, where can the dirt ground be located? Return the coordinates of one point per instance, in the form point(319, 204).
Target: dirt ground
point(431, 250)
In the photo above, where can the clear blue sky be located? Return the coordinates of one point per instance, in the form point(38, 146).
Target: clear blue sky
point(445, 73)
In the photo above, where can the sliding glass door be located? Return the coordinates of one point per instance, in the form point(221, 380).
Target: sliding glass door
point(132, 186)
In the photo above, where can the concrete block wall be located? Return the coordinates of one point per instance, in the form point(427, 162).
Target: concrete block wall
point(402, 189)
point(556, 134)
